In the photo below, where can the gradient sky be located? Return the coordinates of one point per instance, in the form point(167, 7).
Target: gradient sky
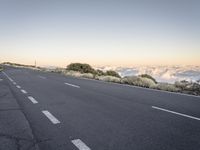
point(103, 32)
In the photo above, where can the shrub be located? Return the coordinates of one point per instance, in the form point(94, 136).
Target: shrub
point(138, 81)
point(99, 72)
point(183, 85)
point(78, 74)
point(198, 81)
point(167, 87)
point(58, 70)
point(112, 73)
point(195, 88)
point(83, 68)
point(108, 79)
point(1, 68)
point(148, 76)
point(72, 73)
point(86, 68)
point(129, 80)
point(188, 87)
point(87, 75)
point(145, 82)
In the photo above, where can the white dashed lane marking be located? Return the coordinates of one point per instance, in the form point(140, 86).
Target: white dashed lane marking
point(53, 119)
point(19, 87)
point(23, 91)
point(76, 86)
point(80, 144)
point(32, 100)
point(176, 113)
point(41, 77)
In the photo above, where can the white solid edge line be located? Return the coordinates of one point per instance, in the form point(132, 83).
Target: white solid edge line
point(32, 100)
point(50, 117)
point(7, 76)
point(19, 87)
point(177, 113)
point(23, 91)
point(80, 145)
point(72, 85)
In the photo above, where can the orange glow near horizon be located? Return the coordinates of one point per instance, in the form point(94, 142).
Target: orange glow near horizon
point(105, 62)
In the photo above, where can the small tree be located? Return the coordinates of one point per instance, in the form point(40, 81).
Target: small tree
point(83, 68)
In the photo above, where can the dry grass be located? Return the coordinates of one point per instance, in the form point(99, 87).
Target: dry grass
point(138, 81)
point(87, 75)
point(78, 74)
point(188, 87)
point(166, 87)
point(108, 79)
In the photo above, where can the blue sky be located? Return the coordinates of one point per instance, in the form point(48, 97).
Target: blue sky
point(106, 32)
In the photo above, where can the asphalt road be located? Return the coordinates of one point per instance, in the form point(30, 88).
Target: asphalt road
point(67, 113)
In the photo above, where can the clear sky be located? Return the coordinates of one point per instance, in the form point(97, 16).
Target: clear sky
point(101, 32)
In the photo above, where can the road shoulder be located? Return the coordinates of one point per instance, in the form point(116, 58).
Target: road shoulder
point(15, 131)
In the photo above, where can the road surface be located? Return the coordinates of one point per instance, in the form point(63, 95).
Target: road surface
point(67, 113)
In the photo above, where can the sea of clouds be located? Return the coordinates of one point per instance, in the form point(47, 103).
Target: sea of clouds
point(168, 74)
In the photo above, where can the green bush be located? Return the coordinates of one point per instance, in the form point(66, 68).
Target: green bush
point(83, 68)
point(112, 73)
point(148, 77)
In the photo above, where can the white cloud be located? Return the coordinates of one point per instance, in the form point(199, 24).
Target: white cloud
point(161, 73)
